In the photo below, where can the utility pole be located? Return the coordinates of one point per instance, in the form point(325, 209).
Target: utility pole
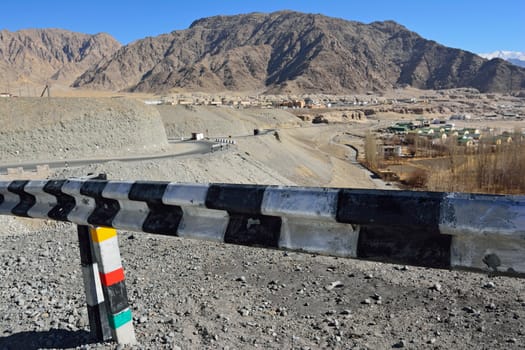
point(46, 88)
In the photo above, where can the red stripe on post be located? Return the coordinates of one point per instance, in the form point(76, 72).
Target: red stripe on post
point(112, 277)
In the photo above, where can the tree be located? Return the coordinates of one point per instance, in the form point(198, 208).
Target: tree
point(371, 158)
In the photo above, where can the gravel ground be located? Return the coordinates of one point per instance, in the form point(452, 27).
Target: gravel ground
point(197, 295)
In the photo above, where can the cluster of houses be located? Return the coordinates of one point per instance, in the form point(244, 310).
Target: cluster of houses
point(441, 132)
point(268, 101)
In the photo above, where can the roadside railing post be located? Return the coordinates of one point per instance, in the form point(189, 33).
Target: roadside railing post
point(106, 251)
point(96, 306)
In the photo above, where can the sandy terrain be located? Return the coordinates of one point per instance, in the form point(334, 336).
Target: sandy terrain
point(181, 121)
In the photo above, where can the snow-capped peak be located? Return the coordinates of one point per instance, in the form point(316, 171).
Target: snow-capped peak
point(506, 55)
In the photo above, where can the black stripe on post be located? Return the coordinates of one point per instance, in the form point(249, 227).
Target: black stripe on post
point(409, 245)
point(404, 208)
point(84, 243)
point(105, 209)
point(240, 199)
point(117, 297)
point(253, 230)
point(27, 201)
point(99, 323)
point(65, 202)
point(396, 226)
point(1, 199)
point(162, 218)
point(97, 314)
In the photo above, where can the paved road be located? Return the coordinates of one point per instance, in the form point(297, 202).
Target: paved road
point(200, 147)
point(196, 148)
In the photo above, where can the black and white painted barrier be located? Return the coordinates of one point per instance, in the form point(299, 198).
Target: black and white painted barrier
point(226, 141)
point(438, 230)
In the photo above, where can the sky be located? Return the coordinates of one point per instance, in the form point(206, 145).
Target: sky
point(479, 26)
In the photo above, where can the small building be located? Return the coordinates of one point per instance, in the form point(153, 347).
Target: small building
point(185, 101)
point(422, 122)
point(292, 104)
point(391, 151)
point(388, 175)
point(465, 141)
point(401, 127)
point(197, 136)
point(425, 131)
point(471, 131)
point(153, 102)
point(308, 102)
point(460, 117)
point(438, 139)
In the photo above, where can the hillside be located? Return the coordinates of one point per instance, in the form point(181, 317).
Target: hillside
point(290, 52)
point(36, 129)
point(35, 56)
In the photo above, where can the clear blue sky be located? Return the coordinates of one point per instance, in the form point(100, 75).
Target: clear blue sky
point(474, 25)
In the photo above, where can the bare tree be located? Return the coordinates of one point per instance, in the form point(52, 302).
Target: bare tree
point(371, 157)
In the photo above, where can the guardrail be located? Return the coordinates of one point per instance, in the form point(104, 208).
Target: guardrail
point(484, 233)
point(226, 141)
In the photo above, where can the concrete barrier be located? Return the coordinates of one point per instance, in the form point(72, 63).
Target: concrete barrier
point(484, 233)
point(443, 230)
point(226, 141)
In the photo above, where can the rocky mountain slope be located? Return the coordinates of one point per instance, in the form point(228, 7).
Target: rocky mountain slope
point(287, 51)
point(37, 56)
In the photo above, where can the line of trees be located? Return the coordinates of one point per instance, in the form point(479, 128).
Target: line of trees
point(487, 168)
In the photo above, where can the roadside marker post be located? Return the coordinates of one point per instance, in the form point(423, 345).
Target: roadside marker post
point(104, 241)
point(107, 301)
point(96, 306)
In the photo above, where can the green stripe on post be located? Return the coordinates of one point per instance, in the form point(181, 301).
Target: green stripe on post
point(116, 321)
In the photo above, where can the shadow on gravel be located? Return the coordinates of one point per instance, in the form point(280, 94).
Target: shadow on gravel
point(54, 338)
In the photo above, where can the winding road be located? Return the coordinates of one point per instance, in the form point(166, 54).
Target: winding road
point(195, 148)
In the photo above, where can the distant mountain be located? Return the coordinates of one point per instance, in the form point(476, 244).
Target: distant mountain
point(516, 62)
point(285, 52)
point(35, 56)
point(514, 57)
point(281, 52)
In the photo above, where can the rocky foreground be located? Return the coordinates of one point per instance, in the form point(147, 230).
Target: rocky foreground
point(188, 294)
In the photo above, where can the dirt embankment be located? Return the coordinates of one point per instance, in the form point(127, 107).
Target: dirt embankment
point(67, 128)
point(181, 121)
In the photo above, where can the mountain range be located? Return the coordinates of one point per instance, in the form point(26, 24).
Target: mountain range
point(280, 52)
point(36, 56)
